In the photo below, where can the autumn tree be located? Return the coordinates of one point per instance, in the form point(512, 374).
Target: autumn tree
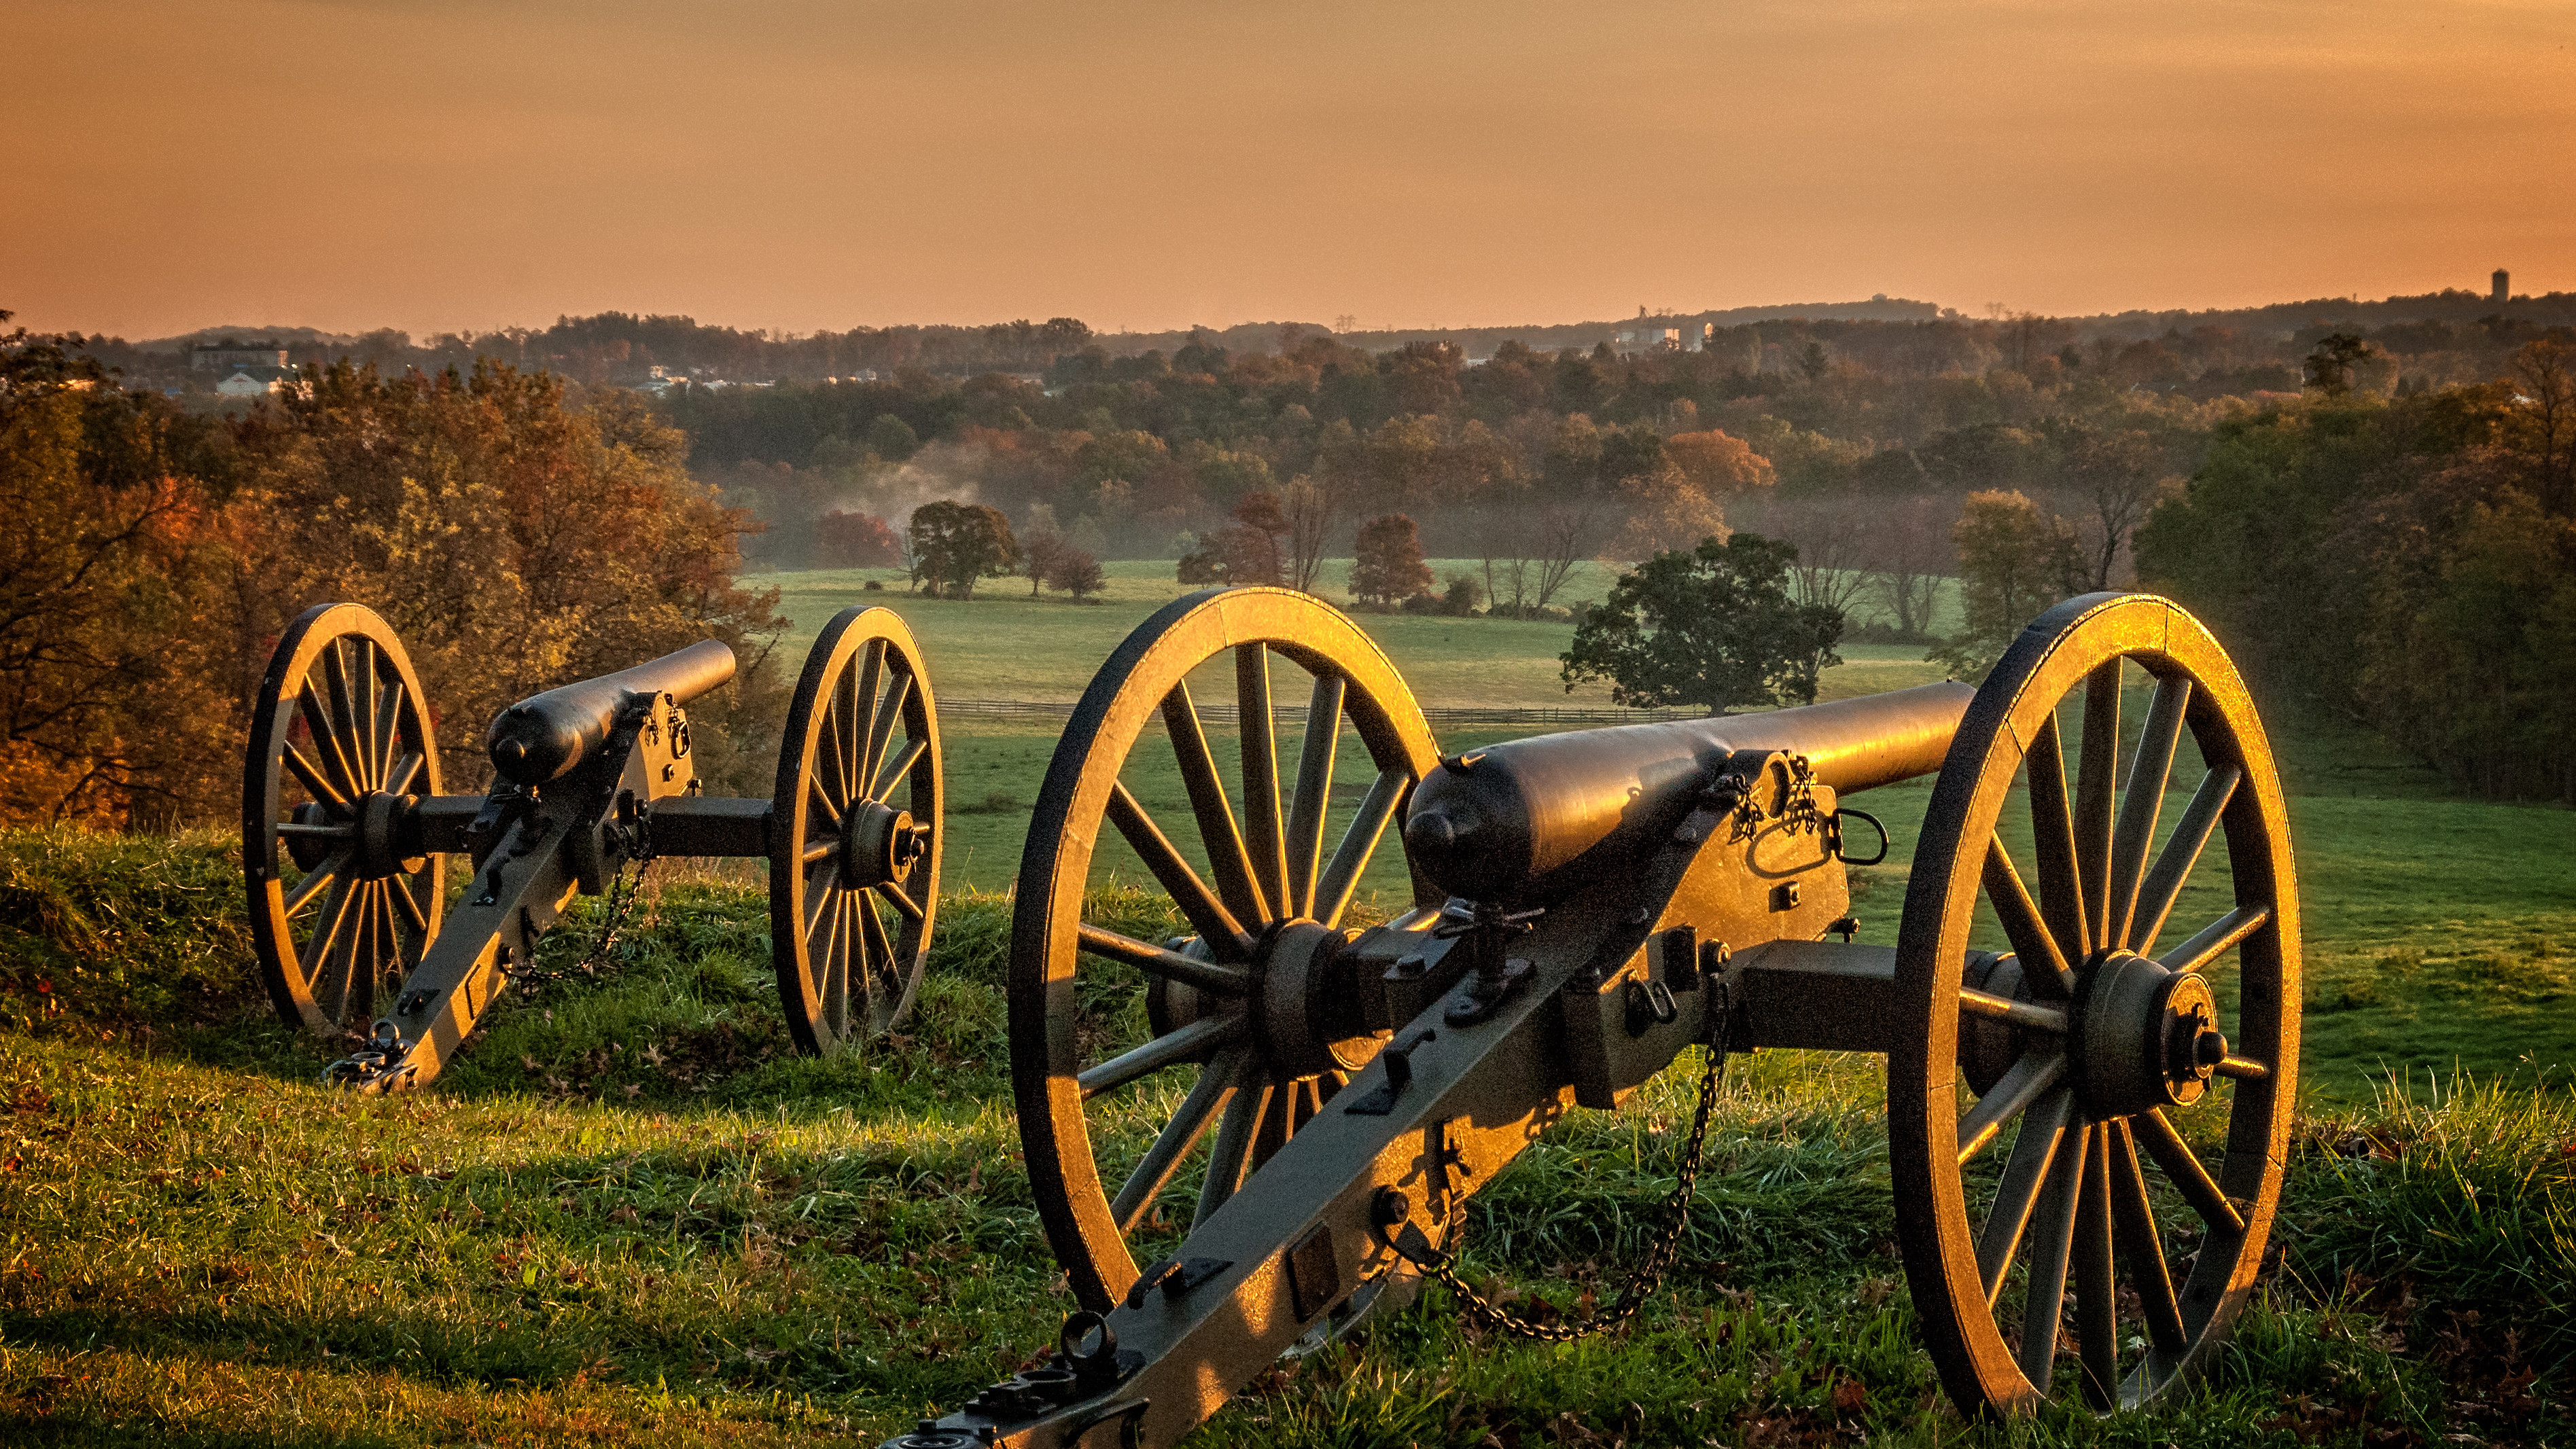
point(845, 540)
point(115, 690)
point(2330, 364)
point(1714, 627)
point(1387, 567)
point(2015, 559)
point(1718, 464)
point(1078, 574)
point(514, 540)
point(954, 544)
point(1042, 553)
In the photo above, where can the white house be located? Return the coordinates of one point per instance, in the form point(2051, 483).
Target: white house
point(242, 384)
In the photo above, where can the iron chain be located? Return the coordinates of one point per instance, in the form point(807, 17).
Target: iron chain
point(618, 905)
point(1641, 1285)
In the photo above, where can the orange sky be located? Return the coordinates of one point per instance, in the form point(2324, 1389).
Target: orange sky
point(356, 163)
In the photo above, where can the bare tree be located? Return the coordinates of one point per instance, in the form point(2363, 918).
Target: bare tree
point(1566, 527)
point(1832, 535)
point(1310, 509)
point(2120, 478)
point(1909, 555)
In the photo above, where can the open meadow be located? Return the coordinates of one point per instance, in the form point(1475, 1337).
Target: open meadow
point(630, 1215)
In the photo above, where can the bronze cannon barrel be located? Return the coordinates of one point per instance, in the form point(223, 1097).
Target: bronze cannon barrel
point(1540, 816)
point(543, 736)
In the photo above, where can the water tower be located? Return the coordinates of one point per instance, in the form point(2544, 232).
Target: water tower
point(2503, 286)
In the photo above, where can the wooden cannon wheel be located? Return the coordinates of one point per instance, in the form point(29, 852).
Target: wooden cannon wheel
point(340, 903)
point(1210, 998)
point(854, 854)
point(2121, 1048)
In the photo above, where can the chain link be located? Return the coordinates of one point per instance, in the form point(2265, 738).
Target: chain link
point(1641, 1285)
point(616, 907)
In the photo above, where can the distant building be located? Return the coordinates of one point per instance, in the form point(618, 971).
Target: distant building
point(2503, 286)
point(1649, 338)
point(226, 355)
point(242, 384)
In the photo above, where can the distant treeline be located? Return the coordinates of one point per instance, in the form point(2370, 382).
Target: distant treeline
point(617, 348)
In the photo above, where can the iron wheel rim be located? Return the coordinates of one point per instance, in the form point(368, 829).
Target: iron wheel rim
point(1361, 689)
point(2099, 1190)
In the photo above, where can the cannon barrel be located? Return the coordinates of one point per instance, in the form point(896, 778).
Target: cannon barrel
point(543, 736)
point(1538, 817)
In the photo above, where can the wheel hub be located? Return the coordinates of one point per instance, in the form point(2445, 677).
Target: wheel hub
point(1305, 1016)
point(1305, 1020)
point(880, 844)
point(2144, 1037)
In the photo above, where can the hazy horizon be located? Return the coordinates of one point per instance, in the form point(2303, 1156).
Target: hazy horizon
point(355, 164)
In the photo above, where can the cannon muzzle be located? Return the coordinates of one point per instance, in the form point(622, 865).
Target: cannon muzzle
point(543, 736)
point(1536, 817)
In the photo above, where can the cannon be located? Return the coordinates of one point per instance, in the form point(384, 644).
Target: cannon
point(346, 836)
point(2089, 1018)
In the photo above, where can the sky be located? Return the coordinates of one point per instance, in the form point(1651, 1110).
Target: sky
point(351, 164)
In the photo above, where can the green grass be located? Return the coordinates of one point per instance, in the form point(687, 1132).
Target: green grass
point(630, 1214)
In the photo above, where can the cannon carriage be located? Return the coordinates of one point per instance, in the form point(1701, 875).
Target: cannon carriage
point(347, 837)
point(2087, 984)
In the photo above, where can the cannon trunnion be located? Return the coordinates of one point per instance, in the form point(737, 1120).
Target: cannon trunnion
point(346, 835)
point(2076, 993)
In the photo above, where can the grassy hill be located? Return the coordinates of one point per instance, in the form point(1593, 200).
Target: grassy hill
point(631, 1215)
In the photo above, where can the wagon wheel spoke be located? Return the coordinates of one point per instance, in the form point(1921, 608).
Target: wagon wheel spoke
point(1186, 1044)
point(1230, 1161)
point(312, 776)
point(1172, 1145)
point(2044, 964)
point(2143, 801)
point(2182, 1167)
point(1215, 924)
point(2044, 1303)
point(325, 874)
point(336, 768)
point(832, 966)
point(854, 698)
point(410, 903)
point(1359, 842)
point(883, 968)
point(1260, 747)
point(881, 726)
point(328, 928)
point(819, 888)
point(896, 768)
point(2061, 890)
point(2181, 853)
point(2216, 939)
point(1227, 857)
point(2017, 1196)
point(901, 899)
point(389, 952)
point(349, 715)
point(359, 671)
point(389, 701)
point(2097, 777)
point(818, 793)
point(1305, 830)
point(1216, 976)
point(2024, 1083)
point(399, 779)
point(2097, 1308)
point(2142, 1247)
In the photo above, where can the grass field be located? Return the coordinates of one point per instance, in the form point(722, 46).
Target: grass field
point(630, 1215)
